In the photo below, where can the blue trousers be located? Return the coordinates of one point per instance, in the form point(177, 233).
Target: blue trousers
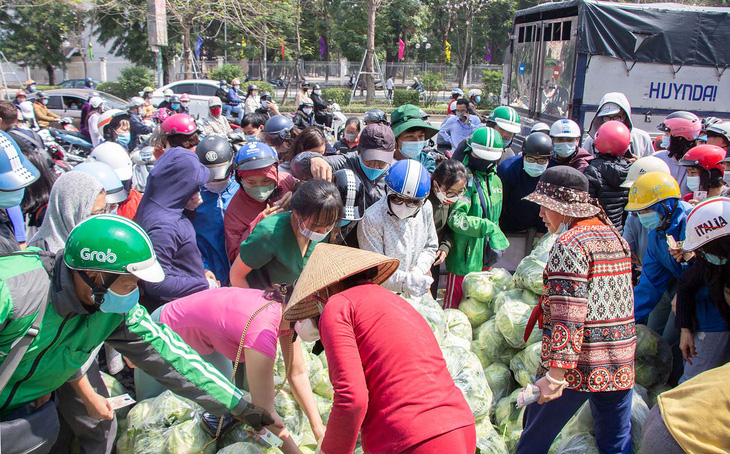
point(611, 419)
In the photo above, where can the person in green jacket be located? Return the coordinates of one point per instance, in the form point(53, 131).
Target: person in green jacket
point(87, 294)
point(478, 242)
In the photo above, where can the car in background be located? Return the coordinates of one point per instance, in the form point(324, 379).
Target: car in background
point(77, 83)
point(200, 90)
point(67, 102)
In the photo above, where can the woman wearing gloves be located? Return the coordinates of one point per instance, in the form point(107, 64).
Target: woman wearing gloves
point(279, 246)
point(587, 319)
point(400, 398)
point(478, 241)
point(212, 322)
point(400, 225)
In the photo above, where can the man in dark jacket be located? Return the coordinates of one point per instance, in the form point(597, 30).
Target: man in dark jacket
point(172, 194)
point(320, 108)
point(137, 127)
point(566, 135)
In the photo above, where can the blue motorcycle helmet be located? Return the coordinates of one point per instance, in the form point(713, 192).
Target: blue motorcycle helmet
point(277, 129)
point(16, 171)
point(255, 155)
point(104, 174)
point(408, 185)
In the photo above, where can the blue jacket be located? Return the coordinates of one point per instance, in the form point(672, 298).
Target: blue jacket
point(659, 268)
point(136, 128)
point(519, 214)
point(177, 175)
point(232, 97)
point(211, 238)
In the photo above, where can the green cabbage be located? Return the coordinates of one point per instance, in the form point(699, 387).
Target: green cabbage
point(291, 414)
point(431, 311)
point(509, 419)
point(319, 377)
point(324, 405)
point(653, 358)
point(476, 311)
point(528, 274)
point(468, 375)
point(654, 393)
point(490, 346)
point(512, 320)
point(187, 438)
point(240, 448)
point(456, 329)
point(478, 286)
point(501, 279)
point(499, 378)
point(582, 443)
point(488, 440)
point(525, 363)
point(162, 411)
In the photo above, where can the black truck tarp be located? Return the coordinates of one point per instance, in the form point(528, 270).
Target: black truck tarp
point(666, 33)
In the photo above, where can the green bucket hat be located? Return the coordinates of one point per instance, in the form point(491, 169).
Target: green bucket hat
point(407, 117)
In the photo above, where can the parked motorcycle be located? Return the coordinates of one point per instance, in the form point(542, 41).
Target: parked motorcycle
point(74, 144)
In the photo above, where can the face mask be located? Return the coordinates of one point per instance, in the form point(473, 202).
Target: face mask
point(446, 200)
point(306, 330)
point(305, 90)
point(478, 99)
point(260, 193)
point(314, 237)
point(74, 107)
point(351, 137)
point(534, 169)
point(123, 138)
point(215, 111)
point(253, 138)
point(693, 183)
point(726, 177)
point(265, 104)
point(650, 221)
point(344, 223)
point(403, 211)
point(412, 149)
point(175, 106)
point(32, 89)
point(562, 228)
point(665, 142)
point(119, 304)
point(236, 87)
point(11, 198)
point(45, 101)
point(185, 104)
point(481, 165)
point(564, 150)
point(507, 143)
point(216, 186)
point(712, 259)
point(307, 111)
point(370, 173)
point(316, 92)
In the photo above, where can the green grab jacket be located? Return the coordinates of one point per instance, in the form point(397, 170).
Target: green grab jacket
point(69, 334)
point(472, 228)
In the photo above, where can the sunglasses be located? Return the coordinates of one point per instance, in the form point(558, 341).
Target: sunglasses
point(452, 193)
point(410, 203)
point(534, 160)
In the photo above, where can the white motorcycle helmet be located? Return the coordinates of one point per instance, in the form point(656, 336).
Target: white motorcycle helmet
point(642, 166)
point(116, 157)
point(708, 221)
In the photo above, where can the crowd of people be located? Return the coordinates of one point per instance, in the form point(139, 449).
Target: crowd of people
point(183, 252)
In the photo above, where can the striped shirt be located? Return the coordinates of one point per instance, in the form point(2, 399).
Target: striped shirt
point(588, 309)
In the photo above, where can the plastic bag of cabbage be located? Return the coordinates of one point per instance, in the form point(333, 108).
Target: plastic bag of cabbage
point(456, 329)
point(468, 375)
point(431, 311)
point(512, 320)
point(490, 346)
point(525, 363)
point(479, 290)
point(653, 358)
point(508, 419)
point(528, 274)
point(489, 441)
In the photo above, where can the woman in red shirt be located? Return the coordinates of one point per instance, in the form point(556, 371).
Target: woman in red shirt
point(388, 373)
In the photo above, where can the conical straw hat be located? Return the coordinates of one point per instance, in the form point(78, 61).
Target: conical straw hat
point(327, 265)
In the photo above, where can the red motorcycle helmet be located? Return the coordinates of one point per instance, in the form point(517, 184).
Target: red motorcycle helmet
point(613, 137)
point(706, 156)
point(682, 124)
point(179, 124)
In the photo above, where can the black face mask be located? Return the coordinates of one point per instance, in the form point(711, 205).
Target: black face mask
point(678, 146)
point(481, 165)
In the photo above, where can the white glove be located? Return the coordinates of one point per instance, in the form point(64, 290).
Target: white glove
point(416, 283)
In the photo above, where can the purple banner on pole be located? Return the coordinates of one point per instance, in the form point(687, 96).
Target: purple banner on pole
point(487, 52)
point(321, 47)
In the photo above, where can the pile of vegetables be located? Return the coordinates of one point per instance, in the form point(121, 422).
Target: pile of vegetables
point(485, 352)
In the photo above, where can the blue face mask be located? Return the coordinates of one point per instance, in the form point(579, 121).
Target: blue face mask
point(478, 99)
point(370, 173)
point(11, 198)
point(412, 149)
point(119, 304)
point(123, 138)
point(175, 106)
point(344, 222)
point(665, 142)
point(712, 259)
point(253, 138)
point(534, 169)
point(651, 220)
point(507, 143)
point(564, 150)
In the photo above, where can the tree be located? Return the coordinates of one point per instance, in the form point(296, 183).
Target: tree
point(35, 33)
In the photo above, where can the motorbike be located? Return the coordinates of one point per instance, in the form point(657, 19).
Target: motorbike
point(74, 143)
point(61, 161)
point(67, 124)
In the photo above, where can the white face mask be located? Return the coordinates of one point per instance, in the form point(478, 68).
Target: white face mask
point(307, 111)
point(446, 200)
point(693, 183)
point(217, 186)
point(403, 211)
point(307, 330)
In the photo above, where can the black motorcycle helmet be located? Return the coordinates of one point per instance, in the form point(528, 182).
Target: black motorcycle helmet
point(538, 144)
point(251, 88)
point(375, 116)
point(265, 96)
point(352, 193)
point(216, 154)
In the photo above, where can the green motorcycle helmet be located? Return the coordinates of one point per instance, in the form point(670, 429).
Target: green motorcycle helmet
point(486, 143)
point(506, 118)
point(109, 243)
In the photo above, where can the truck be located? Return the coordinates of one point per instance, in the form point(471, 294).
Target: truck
point(564, 56)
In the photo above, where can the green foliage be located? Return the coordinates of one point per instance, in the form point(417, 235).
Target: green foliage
point(228, 71)
point(113, 88)
point(339, 95)
point(401, 97)
point(133, 80)
point(432, 83)
point(492, 83)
